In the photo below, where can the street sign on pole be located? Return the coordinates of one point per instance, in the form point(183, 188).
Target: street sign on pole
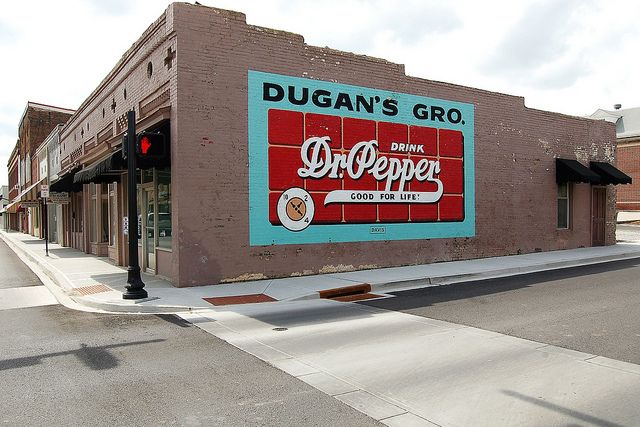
point(44, 191)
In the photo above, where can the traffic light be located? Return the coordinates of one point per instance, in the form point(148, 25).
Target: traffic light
point(151, 145)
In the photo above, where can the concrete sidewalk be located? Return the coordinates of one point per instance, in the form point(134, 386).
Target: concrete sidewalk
point(89, 282)
point(628, 216)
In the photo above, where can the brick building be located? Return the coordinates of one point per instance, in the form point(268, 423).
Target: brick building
point(289, 159)
point(627, 122)
point(14, 189)
point(36, 123)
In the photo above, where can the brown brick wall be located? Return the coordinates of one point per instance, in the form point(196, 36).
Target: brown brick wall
point(97, 127)
point(35, 126)
point(13, 181)
point(101, 119)
point(515, 151)
point(629, 162)
point(515, 158)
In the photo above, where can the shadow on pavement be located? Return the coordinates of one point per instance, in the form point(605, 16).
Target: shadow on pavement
point(172, 318)
point(68, 253)
point(34, 242)
point(293, 314)
point(424, 297)
point(95, 358)
point(561, 409)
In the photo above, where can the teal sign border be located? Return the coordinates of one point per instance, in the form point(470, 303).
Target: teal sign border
point(262, 232)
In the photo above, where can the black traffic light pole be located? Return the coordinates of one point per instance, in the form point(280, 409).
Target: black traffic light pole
point(135, 286)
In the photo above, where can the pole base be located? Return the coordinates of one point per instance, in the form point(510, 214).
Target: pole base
point(135, 286)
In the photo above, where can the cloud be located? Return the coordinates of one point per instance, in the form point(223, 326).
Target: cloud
point(111, 7)
point(8, 34)
point(539, 50)
point(410, 25)
point(358, 25)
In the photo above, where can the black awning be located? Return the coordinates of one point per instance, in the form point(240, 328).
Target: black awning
point(65, 184)
point(106, 170)
point(568, 170)
point(609, 174)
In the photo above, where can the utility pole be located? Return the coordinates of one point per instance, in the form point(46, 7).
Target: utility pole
point(135, 286)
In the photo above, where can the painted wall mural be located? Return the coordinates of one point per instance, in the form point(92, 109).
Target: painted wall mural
point(338, 163)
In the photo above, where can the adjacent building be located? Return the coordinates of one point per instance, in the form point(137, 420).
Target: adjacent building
point(288, 159)
point(627, 122)
point(4, 201)
point(36, 123)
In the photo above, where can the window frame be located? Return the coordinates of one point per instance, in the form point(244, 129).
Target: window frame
point(567, 197)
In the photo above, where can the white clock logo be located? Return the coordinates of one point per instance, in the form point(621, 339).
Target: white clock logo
point(295, 209)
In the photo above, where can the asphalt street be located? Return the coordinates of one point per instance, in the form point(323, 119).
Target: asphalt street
point(66, 367)
point(13, 272)
point(593, 309)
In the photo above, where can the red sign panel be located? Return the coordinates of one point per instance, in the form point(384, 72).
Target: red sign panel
point(288, 131)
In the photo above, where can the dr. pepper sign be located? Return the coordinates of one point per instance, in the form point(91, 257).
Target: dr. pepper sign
point(338, 163)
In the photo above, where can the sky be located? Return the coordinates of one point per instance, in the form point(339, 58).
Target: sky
point(567, 56)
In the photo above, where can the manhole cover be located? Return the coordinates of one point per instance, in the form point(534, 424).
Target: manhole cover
point(280, 329)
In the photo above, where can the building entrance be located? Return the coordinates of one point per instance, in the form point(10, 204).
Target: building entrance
point(149, 229)
point(598, 216)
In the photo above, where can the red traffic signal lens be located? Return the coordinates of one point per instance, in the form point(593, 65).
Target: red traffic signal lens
point(151, 145)
point(145, 144)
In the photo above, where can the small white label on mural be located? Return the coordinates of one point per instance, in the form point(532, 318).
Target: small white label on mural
point(377, 230)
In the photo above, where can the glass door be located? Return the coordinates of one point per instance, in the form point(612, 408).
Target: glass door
point(149, 229)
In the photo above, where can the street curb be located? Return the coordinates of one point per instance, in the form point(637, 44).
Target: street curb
point(46, 277)
point(133, 308)
point(426, 282)
point(63, 293)
point(57, 279)
point(51, 272)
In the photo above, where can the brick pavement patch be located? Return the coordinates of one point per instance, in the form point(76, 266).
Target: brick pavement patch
point(93, 289)
point(239, 299)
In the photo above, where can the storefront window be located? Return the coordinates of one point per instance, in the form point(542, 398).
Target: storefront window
point(93, 216)
point(147, 176)
point(76, 213)
point(104, 213)
point(164, 208)
point(113, 214)
point(563, 205)
point(105, 220)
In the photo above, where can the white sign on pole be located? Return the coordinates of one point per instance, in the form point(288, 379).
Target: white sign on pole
point(44, 190)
